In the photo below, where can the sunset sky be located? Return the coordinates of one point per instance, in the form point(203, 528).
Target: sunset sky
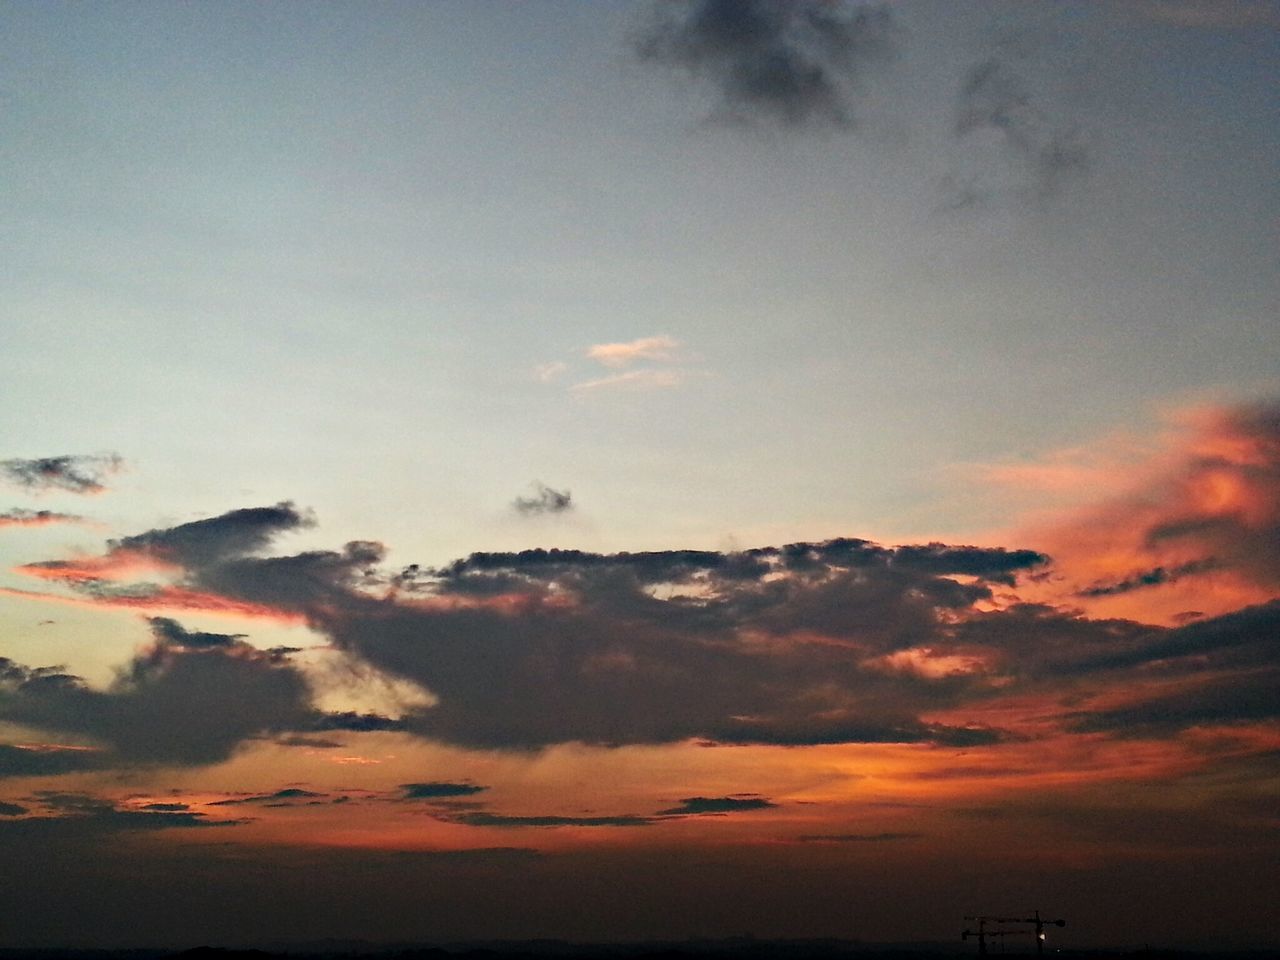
point(633, 470)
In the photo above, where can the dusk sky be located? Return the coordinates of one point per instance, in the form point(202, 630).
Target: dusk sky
point(633, 470)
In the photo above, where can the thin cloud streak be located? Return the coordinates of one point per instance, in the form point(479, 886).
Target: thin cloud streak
point(70, 473)
point(659, 348)
point(36, 518)
point(634, 379)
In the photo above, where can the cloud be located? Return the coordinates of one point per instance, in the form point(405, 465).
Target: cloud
point(697, 806)
point(483, 819)
point(11, 809)
point(836, 641)
point(355, 722)
point(550, 371)
point(1030, 153)
point(772, 645)
point(887, 837)
point(36, 518)
point(660, 348)
point(45, 760)
point(1147, 578)
point(1196, 527)
point(232, 534)
point(281, 798)
point(69, 473)
point(81, 817)
point(792, 63)
point(437, 789)
point(314, 743)
point(191, 698)
point(645, 379)
point(546, 500)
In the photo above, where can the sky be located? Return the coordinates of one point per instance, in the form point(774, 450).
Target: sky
point(639, 470)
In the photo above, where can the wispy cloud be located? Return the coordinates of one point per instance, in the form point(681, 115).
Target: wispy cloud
point(1030, 153)
point(484, 819)
point(662, 348)
point(634, 379)
point(70, 473)
point(886, 837)
point(1199, 509)
point(36, 518)
point(646, 363)
point(701, 806)
point(551, 371)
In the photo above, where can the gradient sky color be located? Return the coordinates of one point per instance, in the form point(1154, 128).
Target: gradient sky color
point(639, 470)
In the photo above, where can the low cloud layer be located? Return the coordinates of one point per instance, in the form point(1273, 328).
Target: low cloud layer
point(190, 698)
point(836, 641)
point(83, 818)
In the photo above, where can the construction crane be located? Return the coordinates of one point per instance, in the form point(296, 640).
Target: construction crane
point(982, 932)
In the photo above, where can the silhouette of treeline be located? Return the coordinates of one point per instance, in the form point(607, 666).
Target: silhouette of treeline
point(730, 949)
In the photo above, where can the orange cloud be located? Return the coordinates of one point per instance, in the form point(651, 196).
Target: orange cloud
point(660, 347)
point(165, 600)
point(1188, 523)
point(118, 565)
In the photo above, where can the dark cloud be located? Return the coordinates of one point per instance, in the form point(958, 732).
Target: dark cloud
point(1247, 638)
point(483, 819)
point(836, 641)
point(69, 473)
point(11, 809)
point(166, 807)
point(787, 62)
point(995, 564)
point(191, 698)
point(81, 818)
point(770, 645)
point(281, 798)
point(437, 789)
point(1148, 578)
point(171, 634)
point(1211, 702)
point(201, 542)
point(36, 518)
point(355, 722)
point(45, 761)
point(315, 743)
point(857, 837)
point(545, 500)
point(717, 805)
